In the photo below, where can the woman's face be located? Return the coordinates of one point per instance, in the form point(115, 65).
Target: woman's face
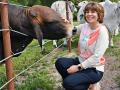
point(91, 16)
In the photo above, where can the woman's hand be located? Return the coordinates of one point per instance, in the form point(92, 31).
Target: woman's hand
point(72, 69)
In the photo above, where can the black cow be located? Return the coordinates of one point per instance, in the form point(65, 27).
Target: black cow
point(36, 22)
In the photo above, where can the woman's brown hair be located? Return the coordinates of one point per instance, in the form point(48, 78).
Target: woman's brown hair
point(93, 6)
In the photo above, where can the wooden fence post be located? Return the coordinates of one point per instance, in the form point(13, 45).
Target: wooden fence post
point(7, 43)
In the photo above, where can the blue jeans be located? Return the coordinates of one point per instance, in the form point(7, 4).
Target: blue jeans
point(79, 80)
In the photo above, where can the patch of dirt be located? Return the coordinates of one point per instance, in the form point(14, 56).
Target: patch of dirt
point(108, 82)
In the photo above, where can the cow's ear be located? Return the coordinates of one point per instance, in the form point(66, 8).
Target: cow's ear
point(39, 34)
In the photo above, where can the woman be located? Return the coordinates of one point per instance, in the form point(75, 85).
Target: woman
point(78, 73)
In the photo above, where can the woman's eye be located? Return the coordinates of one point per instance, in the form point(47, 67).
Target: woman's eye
point(93, 11)
point(90, 12)
point(86, 12)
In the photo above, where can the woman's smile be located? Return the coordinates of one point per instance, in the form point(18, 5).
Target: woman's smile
point(91, 16)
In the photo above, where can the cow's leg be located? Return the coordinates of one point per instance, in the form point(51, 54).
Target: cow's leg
point(111, 41)
point(110, 38)
point(64, 41)
point(39, 34)
point(43, 47)
point(55, 43)
point(117, 31)
point(119, 28)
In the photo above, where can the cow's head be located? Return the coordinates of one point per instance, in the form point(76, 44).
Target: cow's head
point(48, 24)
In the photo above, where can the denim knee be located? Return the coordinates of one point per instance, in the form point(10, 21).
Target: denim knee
point(58, 61)
point(68, 84)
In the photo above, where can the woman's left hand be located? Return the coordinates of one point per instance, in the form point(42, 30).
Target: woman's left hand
point(72, 69)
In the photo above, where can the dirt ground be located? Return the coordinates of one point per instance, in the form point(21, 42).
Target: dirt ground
point(108, 82)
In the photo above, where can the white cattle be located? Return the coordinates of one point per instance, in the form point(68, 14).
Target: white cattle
point(111, 19)
point(80, 14)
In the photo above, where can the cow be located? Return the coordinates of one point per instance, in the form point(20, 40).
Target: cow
point(80, 14)
point(111, 19)
point(36, 22)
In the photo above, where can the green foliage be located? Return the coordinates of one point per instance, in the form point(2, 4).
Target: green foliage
point(33, 2)
point(47, 2)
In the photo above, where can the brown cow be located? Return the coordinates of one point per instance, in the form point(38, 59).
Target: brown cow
point(37, 22)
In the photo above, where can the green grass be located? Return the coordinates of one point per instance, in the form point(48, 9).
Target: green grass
point(35, 77)
point(37, 80)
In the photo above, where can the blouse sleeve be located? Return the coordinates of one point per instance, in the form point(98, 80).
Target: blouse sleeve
point(100, 48)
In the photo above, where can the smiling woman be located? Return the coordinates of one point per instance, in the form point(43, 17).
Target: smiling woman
point(86, 69)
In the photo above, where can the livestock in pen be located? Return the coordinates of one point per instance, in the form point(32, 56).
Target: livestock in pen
point(80, 14)
point(111, 18)
point(36, 22)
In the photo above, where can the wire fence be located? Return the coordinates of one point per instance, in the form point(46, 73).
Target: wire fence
point(30, 65)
